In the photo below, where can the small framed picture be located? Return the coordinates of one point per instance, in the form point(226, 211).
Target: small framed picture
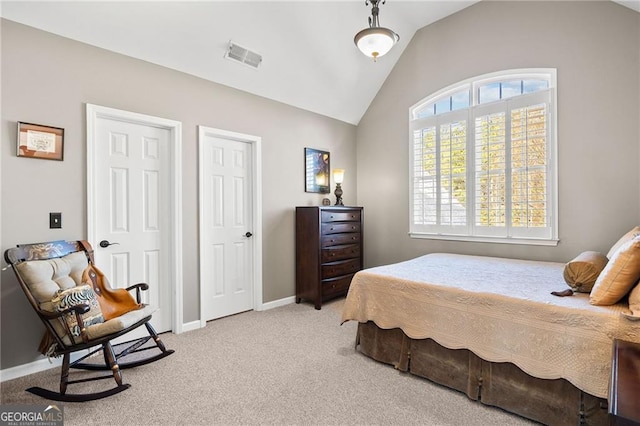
point(316, 171)
point(38, 141)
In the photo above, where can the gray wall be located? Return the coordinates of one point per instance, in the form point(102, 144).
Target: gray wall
point(47, 79)
point(595, 47)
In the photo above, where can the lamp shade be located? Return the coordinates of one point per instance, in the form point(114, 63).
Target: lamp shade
point(338, 175)
point(375, 41)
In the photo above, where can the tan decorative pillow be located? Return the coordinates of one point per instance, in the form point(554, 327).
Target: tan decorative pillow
point(626, 237)
point(84, 294)
point(619, 276)
point(634, 301)
point(582, 272)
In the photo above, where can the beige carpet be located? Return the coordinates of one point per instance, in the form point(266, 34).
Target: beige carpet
point(286, 366)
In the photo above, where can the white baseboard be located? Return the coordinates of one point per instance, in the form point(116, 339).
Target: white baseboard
point(277, 303)
point(34, 367)
point(262, 307)
point(190, 326)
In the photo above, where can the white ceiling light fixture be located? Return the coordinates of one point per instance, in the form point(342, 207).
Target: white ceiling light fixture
point(375, 41)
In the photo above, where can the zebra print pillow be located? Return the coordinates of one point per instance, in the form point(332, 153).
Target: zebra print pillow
point(83, 294)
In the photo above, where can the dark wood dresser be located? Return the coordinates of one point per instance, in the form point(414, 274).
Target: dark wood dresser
point(624, 390)
point(328, 251)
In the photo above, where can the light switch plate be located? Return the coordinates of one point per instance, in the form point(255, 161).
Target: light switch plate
point(55, 220)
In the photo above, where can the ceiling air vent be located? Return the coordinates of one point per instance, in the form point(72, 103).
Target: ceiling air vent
point(243, 55)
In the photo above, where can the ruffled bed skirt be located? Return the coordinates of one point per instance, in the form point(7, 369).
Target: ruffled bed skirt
point(500, 384)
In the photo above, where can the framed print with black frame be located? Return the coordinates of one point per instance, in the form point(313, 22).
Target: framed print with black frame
point(316, 171)
point(38, 141)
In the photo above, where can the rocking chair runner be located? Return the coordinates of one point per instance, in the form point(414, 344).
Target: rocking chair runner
point(51, 276)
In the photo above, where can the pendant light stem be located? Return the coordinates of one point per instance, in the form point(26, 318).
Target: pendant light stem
point(375, 22)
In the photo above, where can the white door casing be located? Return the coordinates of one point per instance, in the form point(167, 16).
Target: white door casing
point(230, 207)
point(133, 199)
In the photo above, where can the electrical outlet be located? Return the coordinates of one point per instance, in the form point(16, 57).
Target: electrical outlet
point(55, 220)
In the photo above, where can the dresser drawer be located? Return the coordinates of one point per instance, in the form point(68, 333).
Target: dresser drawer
point(336, 286)
point(340, 227)
point(340, 239)
point(341, 267)
point(330, 216)
point(340, 252)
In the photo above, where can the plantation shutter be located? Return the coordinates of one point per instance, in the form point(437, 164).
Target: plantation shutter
point(439, 171)
point(512, 167)
point(425, 194)
point(490, 173)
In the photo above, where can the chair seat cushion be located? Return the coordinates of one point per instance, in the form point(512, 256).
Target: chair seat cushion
point(115, 325)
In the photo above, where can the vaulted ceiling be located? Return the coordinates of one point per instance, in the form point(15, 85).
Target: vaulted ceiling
point(309, 58)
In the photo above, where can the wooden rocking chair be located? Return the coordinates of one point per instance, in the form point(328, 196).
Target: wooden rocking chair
point(53, 275)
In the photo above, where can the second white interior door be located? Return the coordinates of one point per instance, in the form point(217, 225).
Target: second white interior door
point(226, 258)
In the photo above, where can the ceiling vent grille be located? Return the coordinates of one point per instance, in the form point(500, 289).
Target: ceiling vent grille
point(243, 55)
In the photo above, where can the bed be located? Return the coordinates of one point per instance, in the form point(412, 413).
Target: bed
point(491, 328)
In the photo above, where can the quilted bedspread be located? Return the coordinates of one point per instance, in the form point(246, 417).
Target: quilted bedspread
point(501, 309)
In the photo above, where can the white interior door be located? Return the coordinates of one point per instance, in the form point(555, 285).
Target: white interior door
point(131, 191)
point(228, 228)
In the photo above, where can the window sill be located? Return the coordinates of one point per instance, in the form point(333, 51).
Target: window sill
point(483, 239)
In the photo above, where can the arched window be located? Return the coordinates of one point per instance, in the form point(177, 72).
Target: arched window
point(483, 160)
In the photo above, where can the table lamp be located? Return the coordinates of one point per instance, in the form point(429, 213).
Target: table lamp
point(338, 177)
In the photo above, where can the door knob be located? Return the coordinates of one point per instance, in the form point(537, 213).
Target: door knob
point(248, 234)
point(105, 244)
